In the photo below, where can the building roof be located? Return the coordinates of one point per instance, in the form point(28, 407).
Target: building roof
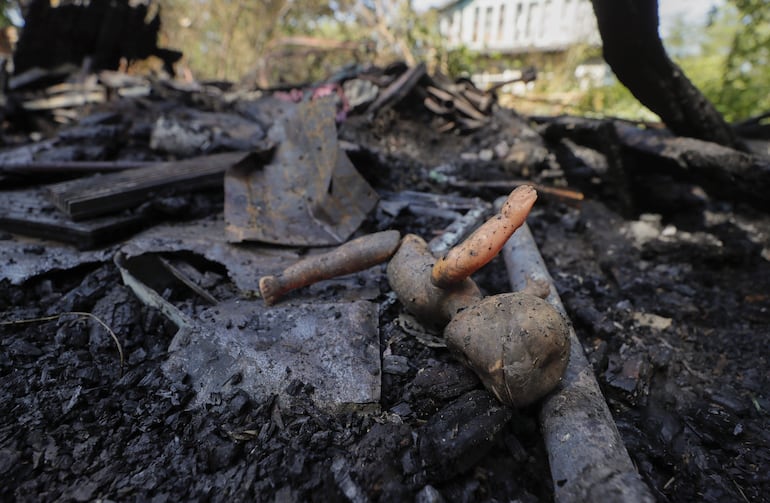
point(453, 5)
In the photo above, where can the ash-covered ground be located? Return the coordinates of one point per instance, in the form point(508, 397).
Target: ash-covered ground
point(670, 299)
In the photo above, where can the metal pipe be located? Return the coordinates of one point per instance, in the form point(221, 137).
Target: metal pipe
point(588, 459)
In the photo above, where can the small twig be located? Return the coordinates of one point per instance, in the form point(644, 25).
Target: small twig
point(77, 313)
point(740, 489)
point(557, 192)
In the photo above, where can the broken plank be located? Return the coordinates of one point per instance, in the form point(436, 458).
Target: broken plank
point(440, 94)
point(100, 195)
point(460, 102)
point(722, 171)
point(435, 107)
point(78, 99)
point(463, 105)
point(69, 167)
point(28, 212)
point(398, 90)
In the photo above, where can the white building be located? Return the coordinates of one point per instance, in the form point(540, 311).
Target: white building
point(518, 26)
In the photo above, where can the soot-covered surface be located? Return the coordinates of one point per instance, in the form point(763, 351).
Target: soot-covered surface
point(672, 310)
point(74, 428)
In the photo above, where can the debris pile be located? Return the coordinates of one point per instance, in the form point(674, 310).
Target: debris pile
point(159, 206)
point(152, 140)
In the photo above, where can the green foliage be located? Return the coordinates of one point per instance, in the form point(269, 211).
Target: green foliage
point(728, 60)
point(613, 100)
point(9, 10)
point(231, 39)
point(242, 39)
point(557, 73)
point(460, 62)
point(745, 90)
point(731, 60)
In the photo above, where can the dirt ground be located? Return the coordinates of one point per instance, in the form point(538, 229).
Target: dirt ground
point(671, 301)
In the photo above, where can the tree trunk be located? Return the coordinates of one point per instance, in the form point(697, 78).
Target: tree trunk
point(634, 51)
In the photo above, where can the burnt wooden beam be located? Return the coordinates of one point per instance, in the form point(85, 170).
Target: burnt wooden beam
point(724, 172)
point(104, 194)
point(28, 212)
point(757, 127)
point(69, 167)
point(398, 89)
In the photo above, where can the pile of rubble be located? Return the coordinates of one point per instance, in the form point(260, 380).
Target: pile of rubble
point(193, 192)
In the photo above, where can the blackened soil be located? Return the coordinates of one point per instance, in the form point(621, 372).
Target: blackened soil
point(77, 427)
point(673, 314)
point(688, 385)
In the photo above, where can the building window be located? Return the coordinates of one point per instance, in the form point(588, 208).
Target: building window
point(546, 17)
point(517, 22)
point(476, 21)
point(501, 24)
point(461, 23)
point(488, 24)
point(528, 22)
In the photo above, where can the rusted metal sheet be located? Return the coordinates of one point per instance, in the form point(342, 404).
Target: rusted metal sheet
point(22, 258)
point(247, 262)
point(332, 346)
point(310, 194)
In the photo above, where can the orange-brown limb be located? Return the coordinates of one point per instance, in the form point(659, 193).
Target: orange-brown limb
point(353, 256)
point(486, 241)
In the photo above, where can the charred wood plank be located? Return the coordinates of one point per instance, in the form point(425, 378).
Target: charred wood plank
point(37, 77)
point(583, 130)
point(28, 212)
point(69, 167)
point(398, 89)
point(757, 127)
point(459, 101)
point(467, 125)
point(601, 136)
point(462, 433)
point(436, 107)
point(100, 195)
point(724, 172)
point(466, 107)
point(73, 99)
point(440, 94)
point(482, 100)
